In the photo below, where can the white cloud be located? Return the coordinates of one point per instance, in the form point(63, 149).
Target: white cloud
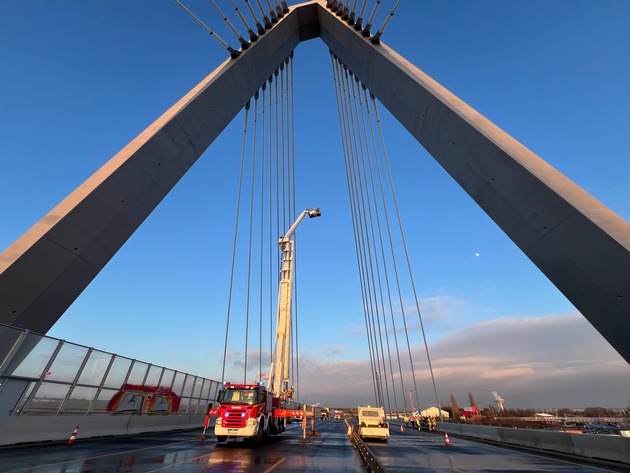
point(438, 313)
point(329, 351)
point(553, 361)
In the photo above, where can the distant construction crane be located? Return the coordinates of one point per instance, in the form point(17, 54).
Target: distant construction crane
point(455, 407)
point(472, 399)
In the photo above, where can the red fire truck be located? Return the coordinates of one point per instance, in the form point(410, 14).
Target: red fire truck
point(251, 410)
point(248, 411)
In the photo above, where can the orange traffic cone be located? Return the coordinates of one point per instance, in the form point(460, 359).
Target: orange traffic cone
point(401, 428)
point(448, 441)
point(73, 436)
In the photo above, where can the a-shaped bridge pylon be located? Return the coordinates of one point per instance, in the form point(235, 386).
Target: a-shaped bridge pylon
point(577, 242)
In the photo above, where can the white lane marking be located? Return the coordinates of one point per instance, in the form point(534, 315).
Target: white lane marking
point(273, 467)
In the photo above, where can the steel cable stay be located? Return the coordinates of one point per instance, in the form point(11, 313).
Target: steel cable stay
point(266, 20)
point(376, 39)
point(252, 36)
point(282, 160)
point(251, 234)
point(364, 262)
point(370, 253)
point(339, 95)
point(364, 149)
point(262, 232)
point(376, 242)
point(281, 143)
point(402, 235)
point(261, 29)
point(402, 308)
point(352, 13)
point(373, 257)
point(284, 173)
point(233, 52)
point(366, 30)
point(380, 257)
point(274, 217)
point(358, 238)
point(352, 195)
point(376, 212)
point(289, 133)
point(401, 304)
point(236, 220)
point(272, 13)
point(271, 221)
point(273, 150)
point(277, 11)
point(365, 213)
point(244, 43)
point(390, 304)
point(271, 190)
point(403, 314)
point(365, 210)
point(359, 23)
point(273, 145)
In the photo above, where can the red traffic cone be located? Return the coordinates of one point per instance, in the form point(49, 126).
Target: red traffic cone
point(73, 436)
point(448, 441)
point(401, 428)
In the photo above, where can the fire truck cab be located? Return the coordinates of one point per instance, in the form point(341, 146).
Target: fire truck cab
point(245, 410)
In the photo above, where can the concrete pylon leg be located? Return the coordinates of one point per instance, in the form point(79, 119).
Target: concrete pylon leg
point(578, 243)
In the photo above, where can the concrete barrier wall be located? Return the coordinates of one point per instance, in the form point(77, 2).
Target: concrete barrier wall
point(477, 431)
point(603, 447)
point(560, 442)
point(608, 447)
point(30, 429)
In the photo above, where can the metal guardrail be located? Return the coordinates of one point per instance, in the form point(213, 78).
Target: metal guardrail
point(372, 464)
point(41, 375)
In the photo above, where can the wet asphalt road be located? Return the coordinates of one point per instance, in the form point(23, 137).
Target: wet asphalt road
point(331, 451)
point(421, 451)
point(187, 452)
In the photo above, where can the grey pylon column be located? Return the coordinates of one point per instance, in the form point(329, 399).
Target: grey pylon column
point(47, 268)
point(577, 242)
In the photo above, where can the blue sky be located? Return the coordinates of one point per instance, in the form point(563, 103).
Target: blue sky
point(81, 79)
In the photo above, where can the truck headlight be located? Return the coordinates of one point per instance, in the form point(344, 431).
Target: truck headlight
point(218, 422)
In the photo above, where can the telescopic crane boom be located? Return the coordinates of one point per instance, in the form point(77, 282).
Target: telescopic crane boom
point(279, 372)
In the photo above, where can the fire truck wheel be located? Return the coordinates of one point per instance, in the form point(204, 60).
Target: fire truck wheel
point(221, 438)
point(259, 433)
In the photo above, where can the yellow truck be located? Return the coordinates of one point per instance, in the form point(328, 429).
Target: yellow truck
point(372, 423)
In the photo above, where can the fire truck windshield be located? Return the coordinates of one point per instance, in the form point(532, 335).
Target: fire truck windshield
point(239, 396)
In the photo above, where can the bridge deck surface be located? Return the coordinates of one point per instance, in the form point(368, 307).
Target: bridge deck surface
point(420, 451)
point(331, 451)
